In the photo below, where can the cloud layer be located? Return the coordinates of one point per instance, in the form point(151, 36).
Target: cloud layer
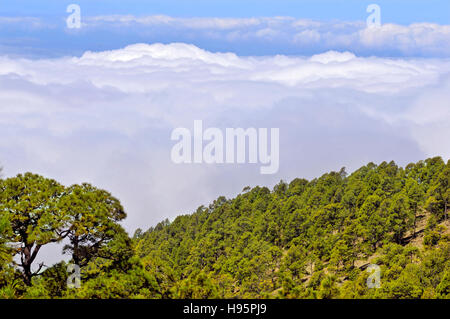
point(106, 118)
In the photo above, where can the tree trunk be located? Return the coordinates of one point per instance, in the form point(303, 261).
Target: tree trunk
point(27, 275)
point(76, 253)
point(27, 258)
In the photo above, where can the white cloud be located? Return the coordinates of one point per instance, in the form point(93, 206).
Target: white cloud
point(24, 21)
point(176, 52)
point(430, 115)
point(426, 37)
point(194, 23)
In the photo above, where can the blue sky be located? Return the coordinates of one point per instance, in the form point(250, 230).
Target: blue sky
point(43, 32)
point(394, 11)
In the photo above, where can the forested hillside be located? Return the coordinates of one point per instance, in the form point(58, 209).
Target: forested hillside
point(303, 239)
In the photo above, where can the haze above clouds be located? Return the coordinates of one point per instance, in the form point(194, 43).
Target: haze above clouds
point(257, 36)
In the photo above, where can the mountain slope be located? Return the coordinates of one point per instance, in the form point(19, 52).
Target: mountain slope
point(312, 239)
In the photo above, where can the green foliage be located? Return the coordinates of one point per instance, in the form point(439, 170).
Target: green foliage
point(307, 239)
point(303, 239)
point(5, 233)
point(92, 218)
point(30, 203)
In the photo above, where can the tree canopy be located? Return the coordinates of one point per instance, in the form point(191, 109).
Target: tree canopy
point(303, 239)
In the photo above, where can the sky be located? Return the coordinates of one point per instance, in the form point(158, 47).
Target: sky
point(98, 104)
point(396, 11)
point(37, 29)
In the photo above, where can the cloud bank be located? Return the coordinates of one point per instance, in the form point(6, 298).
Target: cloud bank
point(244, 36)
point(106, 117)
